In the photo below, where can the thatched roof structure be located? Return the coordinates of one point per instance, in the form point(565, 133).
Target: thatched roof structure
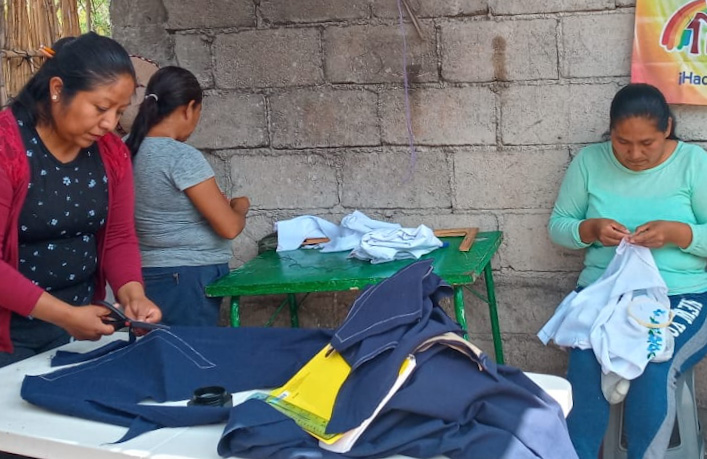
point(24, 27)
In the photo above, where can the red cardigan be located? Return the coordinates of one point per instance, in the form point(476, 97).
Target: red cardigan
point(118, 252)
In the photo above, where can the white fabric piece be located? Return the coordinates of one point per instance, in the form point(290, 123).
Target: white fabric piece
point(550, 329)
point(347, 236)
point(352, 229)
point(622, 344)
point(384, 245)
point(292, 233)
point(598, 316)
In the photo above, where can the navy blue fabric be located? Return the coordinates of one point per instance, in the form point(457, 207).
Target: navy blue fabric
point(455, 404)
point(168, 365)
point(493, 414)
point(385, 324)
point(62, 358)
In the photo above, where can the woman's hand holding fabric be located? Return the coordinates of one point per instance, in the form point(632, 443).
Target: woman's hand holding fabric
point(605, 230)
point(137, 305)
point(657, 233)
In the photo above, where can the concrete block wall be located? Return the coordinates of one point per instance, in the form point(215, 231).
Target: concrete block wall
point(305, 114)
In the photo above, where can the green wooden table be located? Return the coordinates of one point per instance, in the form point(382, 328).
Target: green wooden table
point(308, 270)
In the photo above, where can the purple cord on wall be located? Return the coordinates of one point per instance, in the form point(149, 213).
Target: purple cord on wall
point(408, 116)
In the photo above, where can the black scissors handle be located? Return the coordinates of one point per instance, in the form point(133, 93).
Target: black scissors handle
point(118, 319)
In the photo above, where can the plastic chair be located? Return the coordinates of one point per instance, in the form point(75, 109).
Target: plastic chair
point(686, 441)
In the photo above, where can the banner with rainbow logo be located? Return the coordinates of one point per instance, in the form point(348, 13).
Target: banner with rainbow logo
point(670, 49)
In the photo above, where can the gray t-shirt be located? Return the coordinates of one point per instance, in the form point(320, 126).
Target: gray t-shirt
point(171, 230)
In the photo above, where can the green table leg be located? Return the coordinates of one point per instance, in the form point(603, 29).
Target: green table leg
point(493, 313)
point(459, 308)
point(235, 311)
point(294, 319)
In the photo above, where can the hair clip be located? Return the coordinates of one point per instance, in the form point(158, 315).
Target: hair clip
point(46, 51)
point(157, 99)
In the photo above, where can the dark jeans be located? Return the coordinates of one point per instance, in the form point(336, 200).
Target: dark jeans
point(31, 337)
point(179, 292)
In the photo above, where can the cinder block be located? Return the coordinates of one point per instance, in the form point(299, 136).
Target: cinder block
point(267, 58)
point(376, 180)
point(324, 118)
point(149, 41)
point(327, 310)
point(527, 246)
point(525, 301)
point(529, 354)
point(625, 2)
point(372, 54)
point(551, 114)
point(516, 179)
point(285, 181)
point(484, 221)
point(222, 171)
point(690, 122)
point(499, 50)
point(450, 116)
point(193, 52)
point(126, 13)
point(597, 45)
point(431, 8)
point(231, 120)
point(320, 310)
point(245, 246)
point(210, 14)
point(500, 7)
point(287, 11)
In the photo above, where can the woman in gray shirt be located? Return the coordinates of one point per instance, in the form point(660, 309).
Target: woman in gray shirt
point(184, 222)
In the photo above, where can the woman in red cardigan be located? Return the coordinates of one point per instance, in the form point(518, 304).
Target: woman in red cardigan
point(66, 201)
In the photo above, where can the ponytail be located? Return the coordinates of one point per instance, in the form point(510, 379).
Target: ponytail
point(147, 117)
point(168, 89)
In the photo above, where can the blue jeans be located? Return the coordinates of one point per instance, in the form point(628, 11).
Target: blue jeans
point(179, 292)
point(31, 337)
point(650, 403)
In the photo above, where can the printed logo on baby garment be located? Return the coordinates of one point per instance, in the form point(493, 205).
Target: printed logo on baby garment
point(655, 335)
point(687, 310)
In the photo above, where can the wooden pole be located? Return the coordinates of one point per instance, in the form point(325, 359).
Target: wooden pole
point(88, 14)
point(25, 25)
point(3, 29)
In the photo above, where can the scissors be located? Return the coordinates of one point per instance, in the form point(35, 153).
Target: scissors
point(118, 319)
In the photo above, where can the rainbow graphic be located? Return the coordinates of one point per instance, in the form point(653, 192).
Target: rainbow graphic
point(670, 49)
point(684, 26)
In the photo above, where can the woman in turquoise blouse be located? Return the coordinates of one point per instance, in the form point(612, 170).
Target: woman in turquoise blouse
point(651, 188)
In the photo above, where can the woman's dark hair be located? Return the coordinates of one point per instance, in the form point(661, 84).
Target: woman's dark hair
point(83, 63)
point(168, 89)
point(643, 101)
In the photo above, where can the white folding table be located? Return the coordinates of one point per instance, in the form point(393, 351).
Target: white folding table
point(28, 430)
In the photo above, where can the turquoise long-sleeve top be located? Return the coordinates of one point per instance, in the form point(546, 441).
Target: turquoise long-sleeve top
point(596, 185)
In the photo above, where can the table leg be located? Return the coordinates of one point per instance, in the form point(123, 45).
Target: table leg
point(294, 319)
point(235, 311)
point(493, 313)
point(459, 308)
